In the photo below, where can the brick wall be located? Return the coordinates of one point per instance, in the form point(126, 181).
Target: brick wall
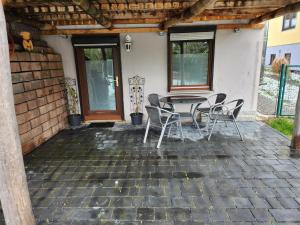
point(39, 96)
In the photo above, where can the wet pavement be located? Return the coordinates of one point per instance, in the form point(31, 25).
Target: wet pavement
point(107, 176)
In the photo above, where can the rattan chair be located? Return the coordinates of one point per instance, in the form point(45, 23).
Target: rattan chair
point(167, 120)
point(226, 112)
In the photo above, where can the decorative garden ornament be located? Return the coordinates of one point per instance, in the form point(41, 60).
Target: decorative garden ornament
point(136, 95)
point(27, 43)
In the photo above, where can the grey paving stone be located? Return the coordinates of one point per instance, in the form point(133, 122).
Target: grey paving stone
point(108, 177)
point(242, 202)
point(96, 202)
point(294, 182)
point(259, 203)
point(201, 215)
point(128, 214)
point(240, 215)
point(286, 215)
point(276, 183)
point(179, 214)
point(145, 214)
point(82, 214)
point(262, 215)
point(289, 203)
point(218, 215)
point(285, 167)
point(160, 214)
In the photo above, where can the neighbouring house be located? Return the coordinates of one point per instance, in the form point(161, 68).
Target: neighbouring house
point(101, 45)
point(284, 39)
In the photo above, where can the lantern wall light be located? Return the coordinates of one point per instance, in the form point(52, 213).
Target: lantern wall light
point(128, 43)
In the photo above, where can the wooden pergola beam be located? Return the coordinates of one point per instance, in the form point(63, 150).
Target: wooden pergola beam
point(99, 31)
point(291, 8)
point(93, 12)
point(190, 12)
point(137, 30)
point(14, 195)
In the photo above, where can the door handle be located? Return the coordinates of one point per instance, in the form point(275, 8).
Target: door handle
point(117, 81)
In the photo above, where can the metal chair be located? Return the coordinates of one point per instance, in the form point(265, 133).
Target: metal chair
point(156, 119)
point(210, 103)
point(154, 101)
point(224, 112)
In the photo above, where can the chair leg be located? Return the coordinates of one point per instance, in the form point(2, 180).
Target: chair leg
point(197, 126)
point(215, 121)
point(180, 128)
point(169, 131)
point(207, 124)
point(226, 125)
point(238, 130)
point(147, 130)
point(177, 127)
point(161, 136)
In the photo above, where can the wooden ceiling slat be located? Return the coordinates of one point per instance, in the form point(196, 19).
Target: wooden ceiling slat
point(218, 4)
point(137, 11)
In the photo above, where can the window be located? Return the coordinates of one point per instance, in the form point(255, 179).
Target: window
point(289, 21)
point(288, 56)
point(272, 57)
point(190, 61)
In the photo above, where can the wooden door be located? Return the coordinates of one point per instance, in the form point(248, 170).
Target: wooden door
point(100, 83)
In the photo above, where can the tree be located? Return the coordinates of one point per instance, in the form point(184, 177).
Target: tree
point(14, 194)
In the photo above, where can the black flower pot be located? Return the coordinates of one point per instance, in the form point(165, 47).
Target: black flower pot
point(74, 120)
point(136, 118)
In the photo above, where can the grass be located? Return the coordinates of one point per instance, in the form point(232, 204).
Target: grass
point(283, 125)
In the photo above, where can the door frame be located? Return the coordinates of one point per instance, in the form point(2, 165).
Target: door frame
point(103, 115)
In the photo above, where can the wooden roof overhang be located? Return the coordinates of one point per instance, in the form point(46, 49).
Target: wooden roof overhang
point(116, 16)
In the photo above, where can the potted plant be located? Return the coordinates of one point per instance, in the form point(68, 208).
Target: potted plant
point(74, 117)
point(136, 94)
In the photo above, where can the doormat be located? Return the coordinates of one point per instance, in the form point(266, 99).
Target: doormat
point(102, 125)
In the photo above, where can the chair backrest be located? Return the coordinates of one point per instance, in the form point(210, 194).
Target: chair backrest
point(238, 106)
point(154, 100)
point(154, 115)
point(220, 97)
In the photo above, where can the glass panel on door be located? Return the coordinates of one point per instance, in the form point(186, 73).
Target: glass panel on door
point(100, 78)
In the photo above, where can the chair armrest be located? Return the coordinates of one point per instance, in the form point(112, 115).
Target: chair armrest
point(218, 109)
point(171, 113)
point(231, 110)
point(168, 104)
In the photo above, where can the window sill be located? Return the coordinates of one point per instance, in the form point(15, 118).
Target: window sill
point(194, 90)
point(287, 29)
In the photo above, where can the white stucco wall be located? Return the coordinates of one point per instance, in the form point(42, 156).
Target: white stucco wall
point(63, 45)
point(148, 58)
point(236, 64)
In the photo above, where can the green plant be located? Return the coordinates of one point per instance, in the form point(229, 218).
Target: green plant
point(283, 125)
point(72, 96)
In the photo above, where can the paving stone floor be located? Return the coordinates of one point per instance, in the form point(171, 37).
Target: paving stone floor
point(107, 176)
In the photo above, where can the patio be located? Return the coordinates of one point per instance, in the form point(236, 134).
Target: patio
point(107, 176)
